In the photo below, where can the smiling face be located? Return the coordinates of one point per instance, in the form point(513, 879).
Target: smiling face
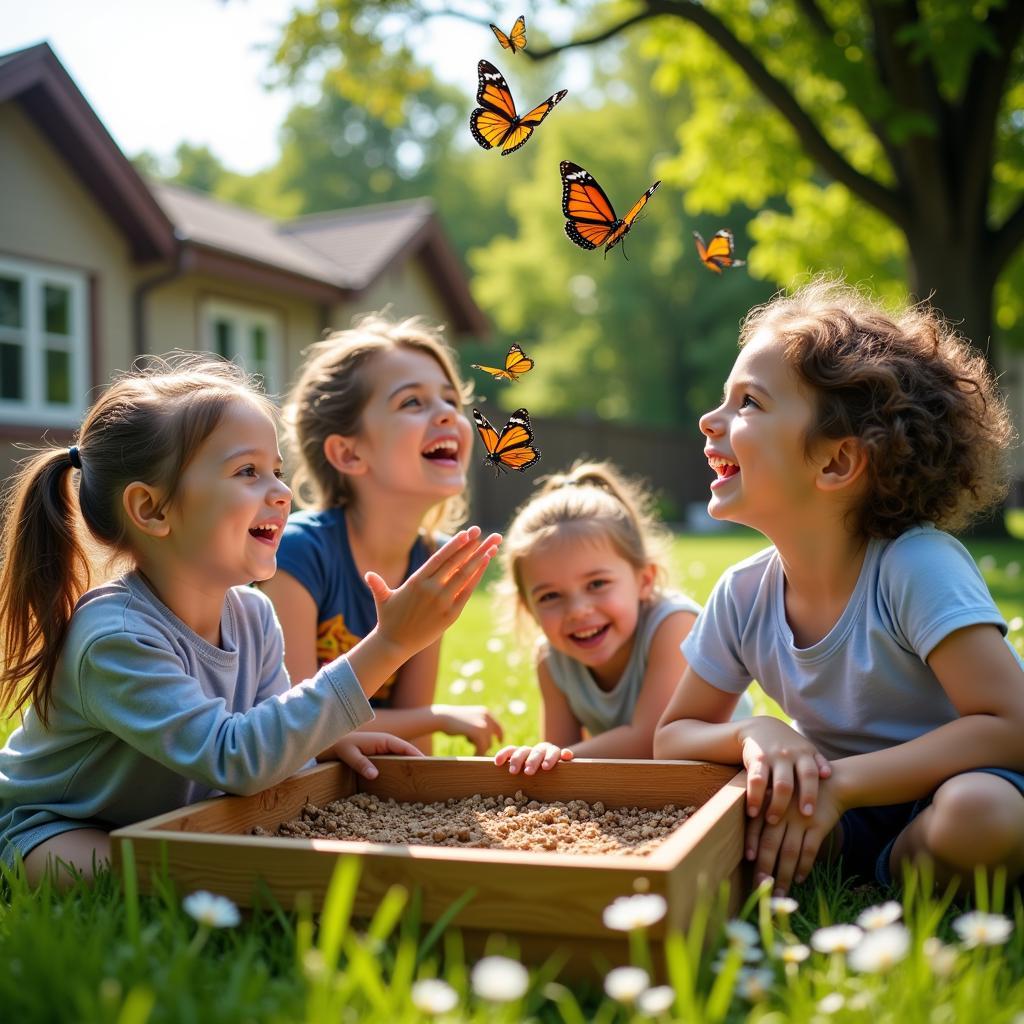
point(225, 521)
point(586, 598)
point(756, 441)
point(413, 438)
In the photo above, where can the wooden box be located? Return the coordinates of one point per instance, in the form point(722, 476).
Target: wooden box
point(542, 900)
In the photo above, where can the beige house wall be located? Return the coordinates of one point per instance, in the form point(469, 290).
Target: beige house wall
point(48, 216)
point(406, 289)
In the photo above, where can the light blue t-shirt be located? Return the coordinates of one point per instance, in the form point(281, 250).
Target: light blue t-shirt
point(865, 686)
point(148, 716)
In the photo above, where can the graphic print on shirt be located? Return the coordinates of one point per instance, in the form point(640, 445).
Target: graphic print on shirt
point(333, 639)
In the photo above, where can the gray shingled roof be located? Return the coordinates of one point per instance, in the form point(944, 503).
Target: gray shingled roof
point(346, 248)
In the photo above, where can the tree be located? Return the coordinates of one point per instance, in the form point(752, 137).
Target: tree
point(896, 120)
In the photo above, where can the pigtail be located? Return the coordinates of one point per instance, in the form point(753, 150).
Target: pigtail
point(45, 571)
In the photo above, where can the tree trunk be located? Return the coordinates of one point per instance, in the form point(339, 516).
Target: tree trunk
point(954, 277)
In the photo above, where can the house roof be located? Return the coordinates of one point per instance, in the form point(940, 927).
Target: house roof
point(326, 256)
point(37, 81)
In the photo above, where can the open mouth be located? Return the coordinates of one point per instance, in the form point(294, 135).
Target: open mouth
point(446, 451)
point(723, 467)
point(590, 637)
point(267, 532)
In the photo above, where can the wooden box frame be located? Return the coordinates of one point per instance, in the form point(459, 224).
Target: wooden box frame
point(542, 900)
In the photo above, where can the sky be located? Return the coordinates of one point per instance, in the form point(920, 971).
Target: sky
point(158, 72)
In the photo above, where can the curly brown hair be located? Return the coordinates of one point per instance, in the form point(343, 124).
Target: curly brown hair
point(923, 403)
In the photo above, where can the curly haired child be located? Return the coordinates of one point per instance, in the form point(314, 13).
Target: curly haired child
point(854, 439)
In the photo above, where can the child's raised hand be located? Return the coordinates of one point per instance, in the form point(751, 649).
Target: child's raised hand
point(474, 722)
point(415, 614)
point(778, 758)
point(355, 748)
point(529, 759)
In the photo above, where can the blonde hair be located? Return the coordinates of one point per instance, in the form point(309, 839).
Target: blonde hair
point(146, 426)
point(330, 395)
point(591, 499)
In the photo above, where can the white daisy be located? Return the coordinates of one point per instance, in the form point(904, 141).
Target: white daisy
point(210, 910)
point(517, 707)
point(880, 916)
point(783, 905)
point(836, 938)
point(880, 950)
point(457, 687)
point(832, 1003)
point(741, 933)
point(754, 984)
point(792, 953)
point(499, 979)
point(495, 645)
point(980, 929)
point(472, 668)
point(625, 984)
point(630, 912)
point(656, 1001)
point(941, 957)
point(433, 996)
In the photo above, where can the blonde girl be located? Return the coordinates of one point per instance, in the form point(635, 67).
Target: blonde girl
point(166, 685)
point(854, 438)
point(381, 447)
point(584, 558)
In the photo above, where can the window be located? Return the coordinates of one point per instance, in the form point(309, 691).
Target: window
point(248, 336)
point(44, 344)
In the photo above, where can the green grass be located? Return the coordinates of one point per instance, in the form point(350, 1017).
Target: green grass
point(102, 953)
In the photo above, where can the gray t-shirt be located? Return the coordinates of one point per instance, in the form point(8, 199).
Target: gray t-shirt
point(864, 686)
point(599, 710)
point(148, 716)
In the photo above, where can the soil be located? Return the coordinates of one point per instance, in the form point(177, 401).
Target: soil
point(490, 822)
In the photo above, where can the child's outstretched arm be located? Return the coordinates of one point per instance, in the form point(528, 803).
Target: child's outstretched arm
point(415, 614)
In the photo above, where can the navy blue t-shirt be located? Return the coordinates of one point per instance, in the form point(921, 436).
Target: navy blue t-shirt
point(315, 550)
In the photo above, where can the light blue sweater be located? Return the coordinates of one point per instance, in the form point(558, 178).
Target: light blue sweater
point(149, 716)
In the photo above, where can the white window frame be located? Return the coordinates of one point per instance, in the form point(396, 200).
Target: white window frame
point(34, 408)
point(244, 318)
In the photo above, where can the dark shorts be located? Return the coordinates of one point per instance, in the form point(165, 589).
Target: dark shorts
point(870, 832)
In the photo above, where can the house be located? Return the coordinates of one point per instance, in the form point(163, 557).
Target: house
point(99, 266)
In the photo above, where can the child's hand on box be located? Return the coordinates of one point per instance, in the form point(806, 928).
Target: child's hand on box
point(356, 748)
point(782, 765)
point(529, 759)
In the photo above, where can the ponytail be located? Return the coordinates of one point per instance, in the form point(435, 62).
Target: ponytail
point(45, 571)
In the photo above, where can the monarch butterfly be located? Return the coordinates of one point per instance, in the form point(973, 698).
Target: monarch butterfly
point(513, 447)
point(592, 221)
point(516, 363)
point(719, 254)
point(516, 39)
point(495, 122)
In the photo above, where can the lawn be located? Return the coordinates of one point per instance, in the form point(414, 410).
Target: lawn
point(105, 954)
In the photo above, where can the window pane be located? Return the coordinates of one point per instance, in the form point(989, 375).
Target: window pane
point(58, 376)
point(12, 382)
point(259, 345)
point(10, 302)
point(223, 338)
point(58, 309)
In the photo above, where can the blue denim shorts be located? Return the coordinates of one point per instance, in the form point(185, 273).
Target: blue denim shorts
point(870, 832)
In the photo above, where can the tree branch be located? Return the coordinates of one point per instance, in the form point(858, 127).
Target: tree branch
point(593, 40)
point(888, 201)
point(814, 14)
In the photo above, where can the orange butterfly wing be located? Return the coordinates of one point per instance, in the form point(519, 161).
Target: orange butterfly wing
point(513, 447)
point(516, 39)
point(589, 212)
point(719, 253)
point(517, 362)
point(495, 122)
point(627, 222)
point(493, 371)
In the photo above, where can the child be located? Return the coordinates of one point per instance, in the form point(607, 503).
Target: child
point(583, 558)
point(852, 439)
point(166, 685)
point(375, 421)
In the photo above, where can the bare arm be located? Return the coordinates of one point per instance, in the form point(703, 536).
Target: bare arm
point(665, 664)
point(695, 725)
point(985, 683)
point(296, 611)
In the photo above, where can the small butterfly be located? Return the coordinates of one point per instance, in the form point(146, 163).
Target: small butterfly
point(516, 39)
point(719, 254)
point(513, 447)
point(592, 221)
point(495, 122)
point(516, 362)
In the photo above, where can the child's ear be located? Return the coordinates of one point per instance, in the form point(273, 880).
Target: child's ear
point(844, 462)
point(340, 452)
point(142, 505)
point(648, 574)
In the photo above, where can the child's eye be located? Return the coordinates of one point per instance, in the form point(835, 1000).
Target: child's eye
point(247, 471)
point(550, 595)
point(598, 584)
point(408, 402)
point(747, 400)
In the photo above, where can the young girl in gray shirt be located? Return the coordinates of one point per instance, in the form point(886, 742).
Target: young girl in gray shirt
point(167, 685)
